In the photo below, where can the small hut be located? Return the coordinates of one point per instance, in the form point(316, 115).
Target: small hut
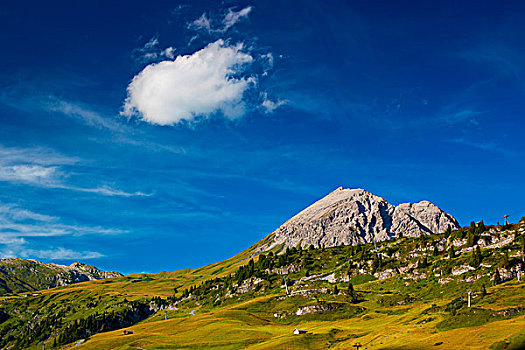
point(299, 331)
point(127, 331)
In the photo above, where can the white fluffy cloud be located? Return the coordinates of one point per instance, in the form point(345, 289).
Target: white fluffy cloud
point(208, 81)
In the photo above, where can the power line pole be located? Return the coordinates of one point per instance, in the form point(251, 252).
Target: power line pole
point(469, 297)
point(357, 345)
point(165, 315)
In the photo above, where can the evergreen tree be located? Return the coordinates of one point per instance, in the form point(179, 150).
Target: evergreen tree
point(336, 290)
point(505, 264)
point(483, 290)
point(481, 227)
point(451, 252)
point(436, 250)
point(351, 294)
point(477, 257)
point(497, 278)
point(448, 231)
point(470, 238)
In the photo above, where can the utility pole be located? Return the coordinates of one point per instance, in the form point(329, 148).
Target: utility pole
point(469, 292)
point(357, 345)
point(165, 314)
point(375, 246)
point(285, 285)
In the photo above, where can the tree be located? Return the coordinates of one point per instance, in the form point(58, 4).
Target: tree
point(436, 250)
point(448, 231)
point(336, 290)
point(481, 227)
point(350, 293)
point(497, 278)
point(451, 252)
point(470, 238)
point(505, 263)
point(476, 257)
point(483, 290)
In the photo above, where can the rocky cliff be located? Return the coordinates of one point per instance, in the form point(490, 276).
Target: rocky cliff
point(25, 275)
point(351, 216)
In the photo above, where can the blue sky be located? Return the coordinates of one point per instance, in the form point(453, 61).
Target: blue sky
point(162, 135)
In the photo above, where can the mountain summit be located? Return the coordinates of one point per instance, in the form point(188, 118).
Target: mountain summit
point(352, 216)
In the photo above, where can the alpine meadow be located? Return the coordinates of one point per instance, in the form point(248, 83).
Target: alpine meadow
point(262, 175)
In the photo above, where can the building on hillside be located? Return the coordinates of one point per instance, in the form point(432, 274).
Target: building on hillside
point(127, 331)
point(299, 331)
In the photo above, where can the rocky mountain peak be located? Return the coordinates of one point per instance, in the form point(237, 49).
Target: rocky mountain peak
point(351, 216)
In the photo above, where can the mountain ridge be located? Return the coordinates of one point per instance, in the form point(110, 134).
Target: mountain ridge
point(27, 275)
point(353, 216)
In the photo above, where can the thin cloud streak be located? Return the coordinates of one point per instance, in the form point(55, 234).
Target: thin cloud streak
point(18, 226)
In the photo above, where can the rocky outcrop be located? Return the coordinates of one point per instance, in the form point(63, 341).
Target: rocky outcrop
point(352, 216)
point(25, 275)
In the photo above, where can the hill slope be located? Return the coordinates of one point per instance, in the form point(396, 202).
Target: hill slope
point(406, 293)
point(352, 216)
point(25, 275)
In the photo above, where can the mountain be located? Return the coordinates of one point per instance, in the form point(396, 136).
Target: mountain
point(353, 216)
point(25, 275)
point(460, 289)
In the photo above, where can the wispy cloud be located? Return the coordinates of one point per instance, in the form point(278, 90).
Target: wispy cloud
point(151, 52)
point(270, 105)
point(30, 97)
point(502, 60)
point(489, 146)
point(220, 23)
point(53, 253)
point(76, 110)
point(42, 168)
point(18, 226)
point(464, 115)
point(34, 155)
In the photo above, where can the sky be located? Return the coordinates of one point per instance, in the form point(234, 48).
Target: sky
point(151, 136)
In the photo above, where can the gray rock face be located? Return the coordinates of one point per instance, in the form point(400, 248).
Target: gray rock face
point(352, 216)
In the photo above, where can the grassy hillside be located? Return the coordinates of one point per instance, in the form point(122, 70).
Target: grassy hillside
point(410, 293)
point(24, 275)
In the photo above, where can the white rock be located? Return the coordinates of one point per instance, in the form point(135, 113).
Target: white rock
point(352, 216)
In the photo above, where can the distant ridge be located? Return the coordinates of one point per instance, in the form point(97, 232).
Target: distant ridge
point(26, 275)
point(351, 216)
